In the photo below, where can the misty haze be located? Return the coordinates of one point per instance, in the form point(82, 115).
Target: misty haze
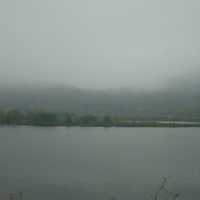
point(99, 99)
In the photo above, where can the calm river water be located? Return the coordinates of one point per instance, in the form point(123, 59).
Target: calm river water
point(99, 163)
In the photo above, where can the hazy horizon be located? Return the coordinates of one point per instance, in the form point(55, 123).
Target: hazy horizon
point(92, 44)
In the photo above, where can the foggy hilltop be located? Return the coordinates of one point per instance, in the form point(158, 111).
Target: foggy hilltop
point(179, 101)
point(101, 46)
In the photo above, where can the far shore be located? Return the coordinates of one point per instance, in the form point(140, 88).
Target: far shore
point(130, 125)
point(51, 119)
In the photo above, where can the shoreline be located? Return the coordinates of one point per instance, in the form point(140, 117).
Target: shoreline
point(50, 119)
point(134, 125)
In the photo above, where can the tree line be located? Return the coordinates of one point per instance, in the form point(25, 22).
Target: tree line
point(43, 118)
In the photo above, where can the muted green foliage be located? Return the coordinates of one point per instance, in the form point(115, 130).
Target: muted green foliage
point(68, 119)
point(42, 118)
point(88, 120)
point(13, 117)
point(170, 104)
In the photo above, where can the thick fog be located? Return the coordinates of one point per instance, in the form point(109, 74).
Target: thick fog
point(99, 43)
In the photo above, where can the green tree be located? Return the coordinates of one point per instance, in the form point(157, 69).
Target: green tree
point(68, 119)
point(14, 117)
point(2, 117)
point(88, 120)
point(42, 118)
point(106, 121)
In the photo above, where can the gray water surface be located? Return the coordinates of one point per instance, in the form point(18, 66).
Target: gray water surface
point(98, 163)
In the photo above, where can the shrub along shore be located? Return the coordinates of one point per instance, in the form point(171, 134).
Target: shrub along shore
point(42, 118)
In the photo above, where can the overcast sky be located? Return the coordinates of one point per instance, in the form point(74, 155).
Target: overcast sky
point(99, 43)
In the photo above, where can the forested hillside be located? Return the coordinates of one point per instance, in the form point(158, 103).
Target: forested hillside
point(170, 103)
